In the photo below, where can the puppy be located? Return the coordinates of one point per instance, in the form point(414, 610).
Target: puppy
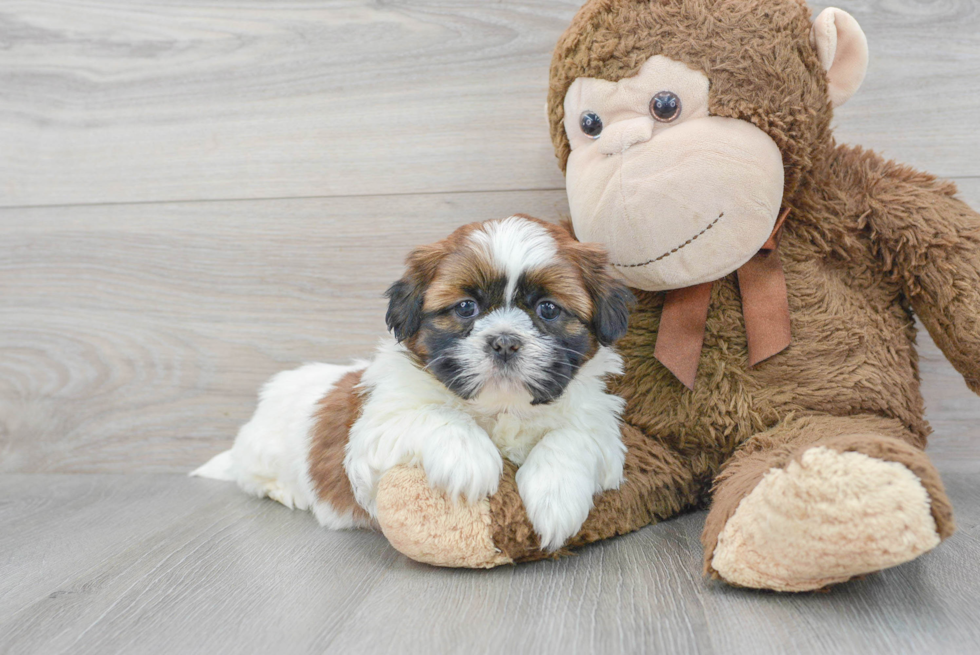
point(501, 350)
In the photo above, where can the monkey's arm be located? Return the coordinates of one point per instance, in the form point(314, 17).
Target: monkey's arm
point(930, 240)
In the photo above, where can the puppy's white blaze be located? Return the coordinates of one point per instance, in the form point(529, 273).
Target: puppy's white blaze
point(515, 245)
point(507, 319)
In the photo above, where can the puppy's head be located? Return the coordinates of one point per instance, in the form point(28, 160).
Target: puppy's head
point(515, 304)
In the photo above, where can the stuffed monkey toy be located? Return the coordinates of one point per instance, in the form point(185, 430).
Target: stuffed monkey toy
point(771, 373)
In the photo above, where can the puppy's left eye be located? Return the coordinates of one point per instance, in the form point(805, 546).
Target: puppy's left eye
point(548, 310)
point(467, 309)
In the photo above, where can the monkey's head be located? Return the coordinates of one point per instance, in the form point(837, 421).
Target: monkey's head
point(683, 126)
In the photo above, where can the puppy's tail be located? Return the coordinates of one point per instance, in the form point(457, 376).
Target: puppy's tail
point(220, 467)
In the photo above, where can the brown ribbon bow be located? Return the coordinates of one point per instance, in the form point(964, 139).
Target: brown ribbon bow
point(765, 309)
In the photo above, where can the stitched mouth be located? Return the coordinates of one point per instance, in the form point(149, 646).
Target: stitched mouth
point(672, 250)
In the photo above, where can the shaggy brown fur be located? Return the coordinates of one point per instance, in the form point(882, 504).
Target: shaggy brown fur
point(335, 415)
point(867, 243)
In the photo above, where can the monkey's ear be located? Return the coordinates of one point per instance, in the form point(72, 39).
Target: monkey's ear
point(404, 315)
point(843, 51)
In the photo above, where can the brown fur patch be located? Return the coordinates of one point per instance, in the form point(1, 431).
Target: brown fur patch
point(335, 414)
point(464, 268)
point(565, 286)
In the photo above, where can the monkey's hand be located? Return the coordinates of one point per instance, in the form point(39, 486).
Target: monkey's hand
point(930, 239)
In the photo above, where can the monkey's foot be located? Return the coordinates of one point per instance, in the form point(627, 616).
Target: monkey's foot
point(825, 518)
point(428, 526)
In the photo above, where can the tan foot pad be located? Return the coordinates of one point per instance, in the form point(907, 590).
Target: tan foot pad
point(427, 526)
point(823, 520)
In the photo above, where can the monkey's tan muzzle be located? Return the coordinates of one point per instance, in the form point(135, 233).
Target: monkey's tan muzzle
point(687, 206)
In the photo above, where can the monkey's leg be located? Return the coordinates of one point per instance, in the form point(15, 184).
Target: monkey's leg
point(427, 526)
point(818, 500)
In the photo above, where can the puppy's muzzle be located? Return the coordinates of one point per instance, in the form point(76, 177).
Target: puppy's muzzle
point(504, 347)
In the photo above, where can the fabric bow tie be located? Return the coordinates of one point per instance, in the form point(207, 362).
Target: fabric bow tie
point(765, 309)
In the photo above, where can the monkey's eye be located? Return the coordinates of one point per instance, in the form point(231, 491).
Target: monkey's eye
point(548, 310)
point(467, 309)
point(591, 124)
point(665, 106)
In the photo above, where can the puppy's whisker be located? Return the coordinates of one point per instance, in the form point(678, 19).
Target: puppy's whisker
point(467, 386)
point(568, 350)
point(435, 361)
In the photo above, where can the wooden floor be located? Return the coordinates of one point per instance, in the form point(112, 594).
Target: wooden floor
point(195, 195)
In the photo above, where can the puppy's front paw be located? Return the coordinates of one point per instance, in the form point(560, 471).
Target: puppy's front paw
point(557, 501)
point(463, 460)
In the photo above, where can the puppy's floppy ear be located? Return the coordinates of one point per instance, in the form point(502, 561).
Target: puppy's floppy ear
point(612, 300)
point(406, 297)
point(404, 315)
point(613, 304)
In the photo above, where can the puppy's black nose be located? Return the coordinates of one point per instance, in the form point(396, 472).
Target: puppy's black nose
point(504, 346)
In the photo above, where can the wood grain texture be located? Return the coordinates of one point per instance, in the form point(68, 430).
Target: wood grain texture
point(111, 102)
point(166, 564)
point(924, 48)
point(133, 338)
point(135, 333)
point(158, 100)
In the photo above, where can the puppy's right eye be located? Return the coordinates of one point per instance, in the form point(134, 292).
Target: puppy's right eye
point(591, 124)
point(548, 310)
point(467, 309)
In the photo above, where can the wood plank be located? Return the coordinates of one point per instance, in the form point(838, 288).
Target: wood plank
point(98, 564)
point(164, 564)
point(926, 48)
point(109, 102)
point(135, 337)
point(222, 99)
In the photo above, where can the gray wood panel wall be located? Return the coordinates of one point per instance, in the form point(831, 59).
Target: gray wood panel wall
point(195, 195)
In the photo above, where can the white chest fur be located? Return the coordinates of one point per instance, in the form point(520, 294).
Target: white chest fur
point(513, 435)
point(409, 417)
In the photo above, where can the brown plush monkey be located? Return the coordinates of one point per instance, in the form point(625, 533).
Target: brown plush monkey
point(687, 129)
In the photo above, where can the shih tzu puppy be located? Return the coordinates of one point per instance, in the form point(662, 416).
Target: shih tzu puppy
point(503, 335)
